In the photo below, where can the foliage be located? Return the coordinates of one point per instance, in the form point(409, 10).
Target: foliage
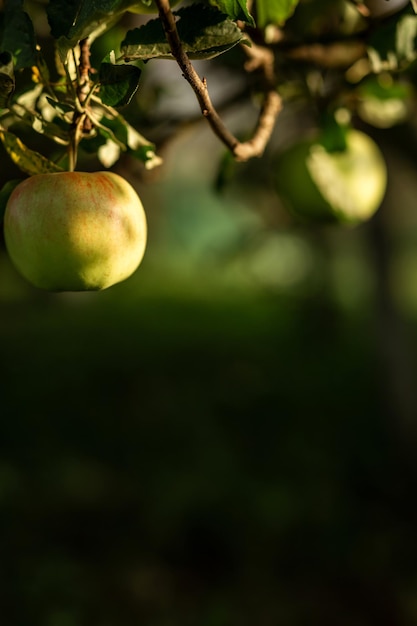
point(76, 105)
point(73, 83)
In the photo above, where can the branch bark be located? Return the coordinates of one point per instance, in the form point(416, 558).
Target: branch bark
point(81, 123)
point(270, 109)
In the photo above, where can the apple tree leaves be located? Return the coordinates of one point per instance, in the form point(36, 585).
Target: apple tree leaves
point(73, 20)
point(118, 83)
point(17, 36)
point(274, 11)
point(235, 10)
point(29, 161)
point(116, 136)
point(206, 28)
point(7, 82)
point(393, 46)
point(17, 47)
point(204, 31)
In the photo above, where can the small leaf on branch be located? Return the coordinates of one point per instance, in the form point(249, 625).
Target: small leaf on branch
point(393, 46)
point(136, 145)
point(18, 35)
point(117, 131)
point(235, 10)
point(61, 16)
point(62, 108)
point(73, 20)
point(118, 83)
point(6, 78)
point(27, 160)
point(274, 11)
point(108, 153)
point(204, 31)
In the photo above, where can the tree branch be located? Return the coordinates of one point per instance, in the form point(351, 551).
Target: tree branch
point(81, 124)
point(270, 109)
point(336, 55)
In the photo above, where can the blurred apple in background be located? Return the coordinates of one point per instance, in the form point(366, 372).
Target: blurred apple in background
point(346, 185)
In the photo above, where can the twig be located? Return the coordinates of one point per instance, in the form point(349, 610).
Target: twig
point(333, 55)
point(85, 68)
point(270, 109)
point(262, 58)
point(84, 83)
point(81, 123)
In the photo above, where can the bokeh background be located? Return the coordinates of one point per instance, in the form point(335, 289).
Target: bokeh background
point(228, 437)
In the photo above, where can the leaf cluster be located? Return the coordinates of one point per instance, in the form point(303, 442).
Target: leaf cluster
point(370, 66)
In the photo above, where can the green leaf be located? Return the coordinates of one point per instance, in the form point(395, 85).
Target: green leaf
point(5, 194)
point(120, 132)
point(60, 107)
point(6, 78)
point(118, 83)
point(73, 20)
point(274, 11)
point(18, 36)
point(62, 14)
point(234, 9)
point(204, 31)
point(406, 38)
point(29, 161)
point(393, 46)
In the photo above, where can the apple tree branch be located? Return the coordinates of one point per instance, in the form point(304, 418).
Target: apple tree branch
point(259, 58)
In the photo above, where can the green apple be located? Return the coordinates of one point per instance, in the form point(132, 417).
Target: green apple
point(147, 7)
point(75, 231)
point(338, 186)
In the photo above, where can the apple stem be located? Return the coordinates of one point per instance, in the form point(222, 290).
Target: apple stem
point(72, 152)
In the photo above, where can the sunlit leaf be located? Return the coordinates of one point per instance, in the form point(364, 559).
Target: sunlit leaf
point(116, 131)
point(393, 45)
point(61, 108)
point(234, 9)
point(27, 160)
point(274, 11)
point(108, 153)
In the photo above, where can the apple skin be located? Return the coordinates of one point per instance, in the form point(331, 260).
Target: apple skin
point(75, 231)
point(346, 186)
